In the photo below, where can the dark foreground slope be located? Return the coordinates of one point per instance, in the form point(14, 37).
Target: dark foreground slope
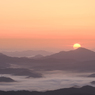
point(86, 90)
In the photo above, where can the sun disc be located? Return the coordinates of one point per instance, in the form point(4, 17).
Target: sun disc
point(77, 45)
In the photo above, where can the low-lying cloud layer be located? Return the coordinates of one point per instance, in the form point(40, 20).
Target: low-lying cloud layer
point(48, 82)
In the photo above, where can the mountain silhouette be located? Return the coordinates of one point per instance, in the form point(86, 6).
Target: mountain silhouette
point(92, 75)
point(20, 72)
point(80, 54)
point(6, 79)
point(86, 90)
point(37, 56)
point(27, 53)
point(81, 60)
point(3, 59)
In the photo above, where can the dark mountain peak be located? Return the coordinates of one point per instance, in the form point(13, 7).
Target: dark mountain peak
point(81, 49)
point(81, 54)
point(84, 51)
point(78, 50)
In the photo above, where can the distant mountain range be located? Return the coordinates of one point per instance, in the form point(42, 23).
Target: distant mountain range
point(28, 53)
point(79, 60)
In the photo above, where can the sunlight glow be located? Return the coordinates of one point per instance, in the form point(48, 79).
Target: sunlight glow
point(77, 45)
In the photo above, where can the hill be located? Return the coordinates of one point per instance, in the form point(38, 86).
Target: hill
point(80, 54)
point(6, 79)
point(86, 90)
point(81, 60)
point(28, 53)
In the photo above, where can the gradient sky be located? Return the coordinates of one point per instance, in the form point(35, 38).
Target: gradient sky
point(46, 24)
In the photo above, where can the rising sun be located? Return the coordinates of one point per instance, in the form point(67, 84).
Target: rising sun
point(77, 45)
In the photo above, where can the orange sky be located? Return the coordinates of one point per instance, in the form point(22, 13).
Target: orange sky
point(47, 24)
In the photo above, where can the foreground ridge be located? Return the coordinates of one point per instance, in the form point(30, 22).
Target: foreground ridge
point(86, 90)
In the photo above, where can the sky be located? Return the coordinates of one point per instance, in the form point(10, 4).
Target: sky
point(46, 24)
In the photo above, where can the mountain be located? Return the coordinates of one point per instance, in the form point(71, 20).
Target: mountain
point(6, 79)
point(79, 60)
point(20, 72)
point(86, 90)
point(80, 54)
point(28, 53)
point(92, 75)
point(37, 56)
point(93, 82)
point(3, 59)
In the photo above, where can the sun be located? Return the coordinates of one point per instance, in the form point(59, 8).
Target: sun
point(77, 45)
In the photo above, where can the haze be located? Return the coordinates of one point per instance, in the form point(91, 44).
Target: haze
point(46, 24)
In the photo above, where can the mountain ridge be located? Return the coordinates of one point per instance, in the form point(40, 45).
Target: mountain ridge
point(80, 54)
point(27, 53)
point(81, 60)
point(85, 90)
